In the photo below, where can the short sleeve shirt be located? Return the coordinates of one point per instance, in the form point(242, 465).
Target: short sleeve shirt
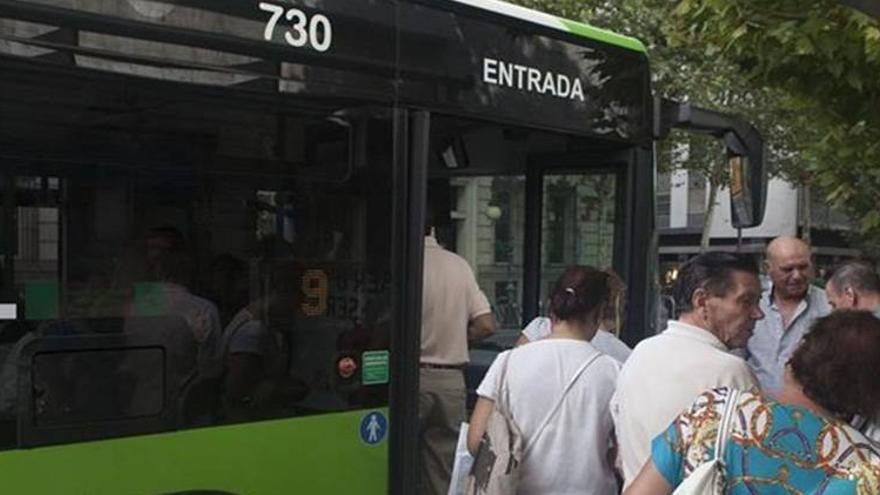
point(451, 299)
point(201, 319)
point(661, 378)
point(772, 343)
point(246, 334)
point(539, 328)
point(582, 425)
point(773, 448)
point(606, 342)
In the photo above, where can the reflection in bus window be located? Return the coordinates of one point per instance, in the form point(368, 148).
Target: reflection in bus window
point(580, 212)
point(487, 225)
point(257, 345)
point(235, 232)
point(82, 387)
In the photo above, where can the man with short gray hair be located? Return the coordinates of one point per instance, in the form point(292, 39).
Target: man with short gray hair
point(854, 285)
point(717, 296)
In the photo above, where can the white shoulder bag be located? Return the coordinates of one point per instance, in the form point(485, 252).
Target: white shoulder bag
point(710, 477)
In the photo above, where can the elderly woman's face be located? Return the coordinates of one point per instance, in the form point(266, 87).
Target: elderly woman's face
point(732, 316)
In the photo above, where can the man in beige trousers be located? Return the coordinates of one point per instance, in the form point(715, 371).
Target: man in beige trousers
point(454, 311)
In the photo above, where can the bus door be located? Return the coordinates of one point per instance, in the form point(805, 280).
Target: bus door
point(597, 209)
point(520, 211)
point(580, 218)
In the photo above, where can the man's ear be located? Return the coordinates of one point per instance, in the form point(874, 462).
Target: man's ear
point(699, 298)
point(852, 295)
point(766, 265)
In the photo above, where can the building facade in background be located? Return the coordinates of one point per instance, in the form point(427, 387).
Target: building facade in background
point(682, 198)
point(488, 226)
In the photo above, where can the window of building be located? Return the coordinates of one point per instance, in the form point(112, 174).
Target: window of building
point(696, 200)
point(664, 200)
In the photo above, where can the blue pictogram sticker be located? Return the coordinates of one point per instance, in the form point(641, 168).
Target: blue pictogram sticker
point(374, 426)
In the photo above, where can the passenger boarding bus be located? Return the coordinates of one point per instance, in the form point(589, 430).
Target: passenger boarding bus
point(211, 223)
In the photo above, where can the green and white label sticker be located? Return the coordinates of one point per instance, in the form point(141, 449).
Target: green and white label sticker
point(374, 369)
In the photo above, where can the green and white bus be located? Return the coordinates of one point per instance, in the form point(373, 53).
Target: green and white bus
point(211, 223)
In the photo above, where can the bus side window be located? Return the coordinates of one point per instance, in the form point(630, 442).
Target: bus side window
point(88, 387)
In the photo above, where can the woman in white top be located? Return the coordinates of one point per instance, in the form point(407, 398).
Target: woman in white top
point(604, 340)
point(571, 454)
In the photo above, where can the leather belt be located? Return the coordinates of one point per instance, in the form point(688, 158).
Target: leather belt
point(434, 366)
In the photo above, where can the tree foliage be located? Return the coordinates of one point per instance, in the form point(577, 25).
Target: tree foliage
point(698, 73)
point(806, 72)
point(824, 60)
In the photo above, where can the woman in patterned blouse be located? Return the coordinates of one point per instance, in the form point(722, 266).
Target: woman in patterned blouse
point(798, 442)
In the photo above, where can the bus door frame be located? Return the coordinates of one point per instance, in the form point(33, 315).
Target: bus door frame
point(411, 129)
point(634, 225)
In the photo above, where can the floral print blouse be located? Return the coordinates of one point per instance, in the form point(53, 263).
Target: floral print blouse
point(773, 449)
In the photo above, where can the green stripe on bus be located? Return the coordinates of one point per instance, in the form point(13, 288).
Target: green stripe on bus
point(314, 454)
point(602, 35)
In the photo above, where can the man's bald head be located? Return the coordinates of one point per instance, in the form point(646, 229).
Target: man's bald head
point(785, 246)
point(790, 266)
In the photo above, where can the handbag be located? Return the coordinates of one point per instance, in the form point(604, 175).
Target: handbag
point(710, 477)
point(495, 470)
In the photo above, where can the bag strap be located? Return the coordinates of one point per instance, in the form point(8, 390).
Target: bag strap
point(556, 407)
point(502, 401)
point(725, 427)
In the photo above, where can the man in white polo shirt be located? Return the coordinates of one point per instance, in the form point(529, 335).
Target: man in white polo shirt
point(717, 296)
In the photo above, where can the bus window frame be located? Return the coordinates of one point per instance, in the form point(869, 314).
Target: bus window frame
point(574, 163)
point(32, 435)
point(411, 131)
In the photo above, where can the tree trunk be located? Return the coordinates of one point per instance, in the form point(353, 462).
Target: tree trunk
point(710, 213)
point(807, 212)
